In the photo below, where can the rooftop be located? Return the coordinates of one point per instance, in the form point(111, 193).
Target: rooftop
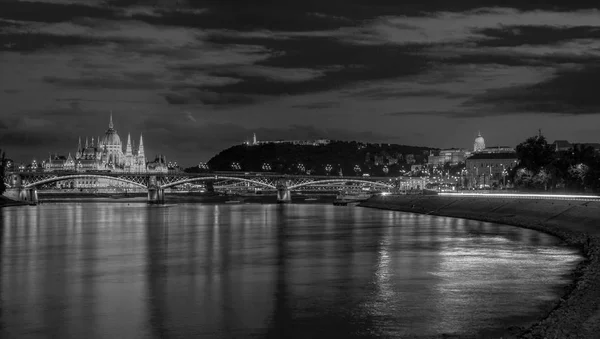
point(502, 155)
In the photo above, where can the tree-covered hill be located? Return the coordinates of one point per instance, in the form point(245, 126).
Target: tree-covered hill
point(340, 155)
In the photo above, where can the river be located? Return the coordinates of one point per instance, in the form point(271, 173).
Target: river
point(128, 270)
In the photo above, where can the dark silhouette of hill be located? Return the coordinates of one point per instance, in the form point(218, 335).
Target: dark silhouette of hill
point(290, 158)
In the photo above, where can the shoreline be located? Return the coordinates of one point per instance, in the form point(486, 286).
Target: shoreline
point(577, 313)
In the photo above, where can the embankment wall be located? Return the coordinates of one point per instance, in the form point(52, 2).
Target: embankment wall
point(577, 314)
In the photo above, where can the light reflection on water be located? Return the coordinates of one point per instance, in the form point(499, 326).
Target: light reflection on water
point(255, 271)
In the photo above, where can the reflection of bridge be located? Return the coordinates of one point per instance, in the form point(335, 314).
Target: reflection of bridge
point(25, 184)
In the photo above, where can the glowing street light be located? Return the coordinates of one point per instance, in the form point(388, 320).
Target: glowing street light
point(328, 168)
point(266, 167)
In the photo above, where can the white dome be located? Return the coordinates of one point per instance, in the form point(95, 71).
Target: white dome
point(111, 138)
point(479, 143)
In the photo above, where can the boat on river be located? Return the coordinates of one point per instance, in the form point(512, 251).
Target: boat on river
point(344, 198)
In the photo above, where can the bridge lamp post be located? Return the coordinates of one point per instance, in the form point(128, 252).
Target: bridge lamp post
point(385, 170)
point(266, 167)
point(301, 168)
point(328, 168)
point(235, 166)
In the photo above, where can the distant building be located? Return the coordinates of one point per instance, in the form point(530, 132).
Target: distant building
point(562, 145)
point(498, 149)
point(410, 159)
point(487, 169)
point(565, 146)
point(315, 142)
point(101, 154)
point(452, 156)
point(479, 144)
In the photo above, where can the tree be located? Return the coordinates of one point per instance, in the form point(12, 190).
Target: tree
point(535, 153)
point(2, 171)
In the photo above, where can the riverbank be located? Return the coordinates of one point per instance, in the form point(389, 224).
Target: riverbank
point(577, 313)
point(5, 202)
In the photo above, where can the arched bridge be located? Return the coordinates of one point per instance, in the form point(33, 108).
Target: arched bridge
point(155, 183)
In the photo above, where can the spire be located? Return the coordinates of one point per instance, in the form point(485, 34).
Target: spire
point(254, 139)
point(478, 133)
point(86, 143)
point(141, 147)
point(128, 149)
point(110, 124)
point(92, 142)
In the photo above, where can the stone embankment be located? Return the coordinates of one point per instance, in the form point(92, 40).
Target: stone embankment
point(577, 313)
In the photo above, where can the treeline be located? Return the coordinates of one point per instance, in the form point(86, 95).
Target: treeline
point(347, 158)
point(542, 167)
point(2, 170)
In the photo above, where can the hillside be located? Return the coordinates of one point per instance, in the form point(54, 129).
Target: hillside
point(341, 155)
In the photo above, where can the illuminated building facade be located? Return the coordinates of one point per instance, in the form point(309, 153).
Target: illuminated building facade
point(102, 154)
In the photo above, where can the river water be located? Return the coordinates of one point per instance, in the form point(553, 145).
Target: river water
point(128, 270)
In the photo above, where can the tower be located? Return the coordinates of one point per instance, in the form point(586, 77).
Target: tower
point(254, 139)
point(140, 159)
point(79, 150)
point(128, 151)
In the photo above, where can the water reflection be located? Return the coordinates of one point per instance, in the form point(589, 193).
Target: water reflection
point(255, 271)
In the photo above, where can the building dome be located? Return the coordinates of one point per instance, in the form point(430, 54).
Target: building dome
point(479, 144)
point(111, 138)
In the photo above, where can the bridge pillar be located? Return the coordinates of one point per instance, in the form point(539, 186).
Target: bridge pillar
point(284, 195)
point(15, 181)
point(156, 195)
point(29, 195)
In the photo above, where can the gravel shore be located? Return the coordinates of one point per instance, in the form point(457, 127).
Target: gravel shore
point(577, 313)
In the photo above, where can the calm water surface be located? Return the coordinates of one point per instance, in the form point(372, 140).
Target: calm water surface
point(118, 270)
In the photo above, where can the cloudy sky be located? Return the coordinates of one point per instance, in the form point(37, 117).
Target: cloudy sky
point(198, 76)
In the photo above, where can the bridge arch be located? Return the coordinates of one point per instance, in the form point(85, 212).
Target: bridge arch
point(79, 176)
point(340, 181)
point(217, 177)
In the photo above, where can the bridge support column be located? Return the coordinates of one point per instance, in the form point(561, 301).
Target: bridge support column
point(156, 195)
point(28, 195)
point(284, 195)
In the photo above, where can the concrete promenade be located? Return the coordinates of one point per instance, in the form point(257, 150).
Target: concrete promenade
point(577, 313)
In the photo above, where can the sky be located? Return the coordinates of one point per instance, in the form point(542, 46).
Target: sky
point(196, 77)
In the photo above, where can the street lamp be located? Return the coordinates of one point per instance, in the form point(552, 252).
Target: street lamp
point(385, 170)
point(266, 167)
point(328, 168)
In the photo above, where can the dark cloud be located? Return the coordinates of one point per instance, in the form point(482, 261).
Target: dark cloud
point(50, 12)
point(509, 58)
point(571, 92)
point(111, 82)
point(319, 105)
point(204, 97)
point(342, 64)
point(511, 36)
point(25, 42)
point(391, 93)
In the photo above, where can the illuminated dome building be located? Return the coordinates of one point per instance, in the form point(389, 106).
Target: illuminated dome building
point(104, 153)
point(479, 144)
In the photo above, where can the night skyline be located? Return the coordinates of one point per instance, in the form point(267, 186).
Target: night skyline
point(198, 77)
